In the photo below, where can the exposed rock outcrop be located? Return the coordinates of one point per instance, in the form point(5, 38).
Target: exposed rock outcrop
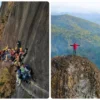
point(74, 77)
point(29, 23)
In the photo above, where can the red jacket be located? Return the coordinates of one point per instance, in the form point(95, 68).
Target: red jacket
point(75, 46)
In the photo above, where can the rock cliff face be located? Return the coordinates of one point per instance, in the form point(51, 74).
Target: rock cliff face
point(74, 77)
point(29, 23)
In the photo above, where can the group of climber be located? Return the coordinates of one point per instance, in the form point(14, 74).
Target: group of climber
point(23, 73)
point(16, 57)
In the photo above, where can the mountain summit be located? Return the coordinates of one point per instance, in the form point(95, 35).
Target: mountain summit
point(74, 77)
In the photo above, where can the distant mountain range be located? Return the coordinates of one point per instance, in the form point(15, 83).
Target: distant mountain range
point(93, 17)
point(68, 29)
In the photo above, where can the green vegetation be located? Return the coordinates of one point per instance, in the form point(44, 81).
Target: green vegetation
point(1, 83)
point(67, 29)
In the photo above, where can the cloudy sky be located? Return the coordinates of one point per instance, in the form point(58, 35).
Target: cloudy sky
point(75, 7)
point(0, 3)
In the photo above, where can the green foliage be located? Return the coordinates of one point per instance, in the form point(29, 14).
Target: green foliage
point(1, 83)
point(67, 29)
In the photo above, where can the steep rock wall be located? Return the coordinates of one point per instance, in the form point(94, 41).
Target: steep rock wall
point(29, 23)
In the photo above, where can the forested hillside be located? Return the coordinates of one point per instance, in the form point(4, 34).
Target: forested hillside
point(68, 29)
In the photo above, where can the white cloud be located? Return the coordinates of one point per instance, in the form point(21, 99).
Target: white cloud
point(79, 7)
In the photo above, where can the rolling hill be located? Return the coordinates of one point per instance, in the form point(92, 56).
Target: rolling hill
point(68, 29)
point(93, 17)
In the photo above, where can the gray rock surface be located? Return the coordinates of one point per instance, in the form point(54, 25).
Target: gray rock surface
point(75, 77)
point(29, 23)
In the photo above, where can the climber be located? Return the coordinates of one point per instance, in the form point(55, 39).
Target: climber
point(22, 68)
point(28, 70)
point(18, 44)
point(12, 52)
point(12, 55)
point(20, 50)
point(3, 55)
point(17, 50)
point(25, 73)
point(75, 46)
point(17, 57)
point(24, 76)
point(8, 57)
point(12, 58)
point(20, 60)
point(18, 75)
point(24, 54)
point(6, 48)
